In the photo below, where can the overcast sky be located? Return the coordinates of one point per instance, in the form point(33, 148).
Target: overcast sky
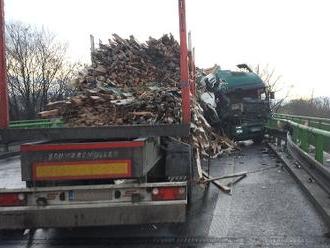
point(290, 35)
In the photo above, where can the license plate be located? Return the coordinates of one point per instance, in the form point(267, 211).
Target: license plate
point(90, 195)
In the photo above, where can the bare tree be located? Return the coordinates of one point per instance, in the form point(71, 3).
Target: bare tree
point(36, 69)
point(317, 107)
point(274, 84)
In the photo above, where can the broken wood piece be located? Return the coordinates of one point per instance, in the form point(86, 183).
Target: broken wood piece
point(76, 101)
point(236, 180)
point(49, 113)
point(96, 98)
point(199, 165)
point(223, 188)
point(91, 91)
point(123, 101)
point(143, 113)
point(55, 105)
point(228, 176)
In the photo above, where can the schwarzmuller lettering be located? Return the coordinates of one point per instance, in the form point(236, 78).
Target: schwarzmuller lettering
point(56, 156)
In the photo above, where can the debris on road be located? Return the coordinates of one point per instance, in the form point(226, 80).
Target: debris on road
point(228, 176)
point(230, 184)
point(223, 188)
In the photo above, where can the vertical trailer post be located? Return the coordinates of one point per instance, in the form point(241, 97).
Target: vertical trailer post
point(191, 65)
point(184, 72)
point(4, 114)
point(193, 69)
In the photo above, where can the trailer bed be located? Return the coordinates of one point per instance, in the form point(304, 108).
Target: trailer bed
point(94, 133)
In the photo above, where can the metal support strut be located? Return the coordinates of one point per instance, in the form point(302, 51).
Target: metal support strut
point(184, 72)
point(4, 114)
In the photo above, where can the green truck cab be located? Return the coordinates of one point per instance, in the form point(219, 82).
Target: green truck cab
point(236, 102)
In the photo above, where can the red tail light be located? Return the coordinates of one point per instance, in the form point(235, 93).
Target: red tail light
point(12, 199)
point(169, 193)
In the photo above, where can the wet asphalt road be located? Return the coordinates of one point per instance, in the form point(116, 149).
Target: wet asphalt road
point(266, 209)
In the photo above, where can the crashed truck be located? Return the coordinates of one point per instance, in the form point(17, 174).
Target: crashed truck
point(236, 103)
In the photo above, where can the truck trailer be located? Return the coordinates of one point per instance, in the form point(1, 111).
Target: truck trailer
point(95, 176)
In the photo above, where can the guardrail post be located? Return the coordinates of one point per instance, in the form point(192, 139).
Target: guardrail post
point(295, 134)
point(304, 140)
point(278, 141)
point(319, 148)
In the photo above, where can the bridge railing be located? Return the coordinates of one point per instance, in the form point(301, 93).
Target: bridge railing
point(311, 134)
point(37, 123)
point(320, 123)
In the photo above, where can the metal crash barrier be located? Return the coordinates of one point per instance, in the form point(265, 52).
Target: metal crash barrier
point(310, 134)
point(38, 123)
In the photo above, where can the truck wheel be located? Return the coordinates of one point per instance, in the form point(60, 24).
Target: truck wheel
point(16, 233)
point(258, 140)
point(190, 178)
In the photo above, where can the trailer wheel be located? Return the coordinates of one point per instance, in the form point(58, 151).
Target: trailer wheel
point(12, 234)
point(190, 180)
point(258, 140)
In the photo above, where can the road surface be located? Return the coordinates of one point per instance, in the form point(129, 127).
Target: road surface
point(266, 209)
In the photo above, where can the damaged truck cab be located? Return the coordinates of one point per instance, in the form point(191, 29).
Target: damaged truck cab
point(236, 103)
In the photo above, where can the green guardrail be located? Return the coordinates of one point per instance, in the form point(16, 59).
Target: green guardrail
point(320, 123)
point(37, 123)
point(306, 132)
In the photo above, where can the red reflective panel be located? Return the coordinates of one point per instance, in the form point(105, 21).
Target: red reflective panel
point(10, 199)
point(169, 194)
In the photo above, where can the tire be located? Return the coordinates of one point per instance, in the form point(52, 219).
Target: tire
point(190, 178)
point(258, 140)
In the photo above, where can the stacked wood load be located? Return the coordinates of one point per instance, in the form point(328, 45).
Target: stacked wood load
point(135, 83)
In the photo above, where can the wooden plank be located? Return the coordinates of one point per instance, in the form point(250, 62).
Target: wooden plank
point(228, 176)
point(223, 188)
point(199, 165)
point(236, 180)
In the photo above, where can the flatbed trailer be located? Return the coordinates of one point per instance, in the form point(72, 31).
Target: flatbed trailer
point(96, 133)
point(93, 182)
point(95, 176)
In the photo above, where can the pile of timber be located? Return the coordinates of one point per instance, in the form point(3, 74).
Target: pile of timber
point(204, 138)
point(152, 105)
point(135, 83)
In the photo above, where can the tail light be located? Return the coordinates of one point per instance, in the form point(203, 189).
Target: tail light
point(168, 193)
point(12, 199)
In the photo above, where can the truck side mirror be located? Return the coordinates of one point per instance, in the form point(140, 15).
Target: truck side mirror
point(272, 95)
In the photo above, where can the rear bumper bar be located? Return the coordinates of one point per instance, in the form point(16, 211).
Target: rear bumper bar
point(93, 215)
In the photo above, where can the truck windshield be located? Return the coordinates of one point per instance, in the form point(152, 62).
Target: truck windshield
point(236, 96)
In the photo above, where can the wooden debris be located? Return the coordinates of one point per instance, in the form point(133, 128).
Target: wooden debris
point(236, 180)
point(136, 83)
point(199, 166)
point(223, 188)
point(49, 113)
point(54, 105)
point(228, 176)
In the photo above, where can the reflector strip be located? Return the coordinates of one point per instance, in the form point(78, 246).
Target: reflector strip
point(11, 199)
point(81, 170)
point(168, 193)
point(82, 146)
